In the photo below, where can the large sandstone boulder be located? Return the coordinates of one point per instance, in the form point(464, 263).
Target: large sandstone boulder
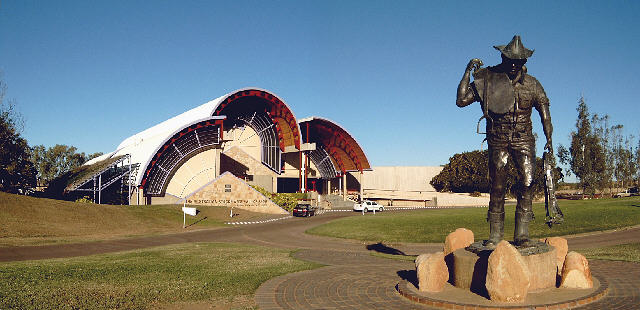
point(460, 238)
point(432, 272)
point(576, 272)
point(507, 274)
point(561, 250)
point(542, 270)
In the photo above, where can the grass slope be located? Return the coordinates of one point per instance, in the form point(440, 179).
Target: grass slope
point(197, 273)
point(434, 225)
point(30, 221)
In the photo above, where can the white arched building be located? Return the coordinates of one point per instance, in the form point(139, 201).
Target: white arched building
point(251, 133)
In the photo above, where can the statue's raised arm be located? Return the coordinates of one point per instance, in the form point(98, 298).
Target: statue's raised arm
point(465, 94)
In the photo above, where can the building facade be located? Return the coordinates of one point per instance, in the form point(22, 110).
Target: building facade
point(252, 134)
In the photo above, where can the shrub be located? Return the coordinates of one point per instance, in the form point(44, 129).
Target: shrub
point(287, 201)
point(468, 172)
point(84, 199)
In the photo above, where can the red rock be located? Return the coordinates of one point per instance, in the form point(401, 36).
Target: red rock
point(460, 238)
point(576, 272)
point(561, 250)
point(507, 274)
point(432, 272)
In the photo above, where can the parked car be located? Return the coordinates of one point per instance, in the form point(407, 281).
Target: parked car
point(626, 193)
point(367, 206)
point(304, 209)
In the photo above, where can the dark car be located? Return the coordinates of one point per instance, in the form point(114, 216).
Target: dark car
point(304, 210)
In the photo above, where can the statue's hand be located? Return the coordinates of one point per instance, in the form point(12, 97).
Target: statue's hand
point(474, 64)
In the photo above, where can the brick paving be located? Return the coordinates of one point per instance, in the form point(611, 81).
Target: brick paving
point(364, 286)
point(624, 284)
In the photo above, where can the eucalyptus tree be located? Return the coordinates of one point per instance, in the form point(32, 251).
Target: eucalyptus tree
point(17, 173)
point(54, 161)
point(586, 155)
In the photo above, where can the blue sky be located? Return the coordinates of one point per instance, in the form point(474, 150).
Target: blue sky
point(92, 73)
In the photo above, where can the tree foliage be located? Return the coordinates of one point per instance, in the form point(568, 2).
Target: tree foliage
point(625, 166)
point(600, 156)
point(55, 161)
point(636, 162)
point(469, 172)
point(17, 173)
point(606, 135)
point(465, 173)
point(588, 161)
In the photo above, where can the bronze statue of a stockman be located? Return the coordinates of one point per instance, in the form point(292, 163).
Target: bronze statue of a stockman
point(507, 94)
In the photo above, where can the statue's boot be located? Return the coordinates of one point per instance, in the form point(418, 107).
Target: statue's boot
point(521, 233)
point(496, 228)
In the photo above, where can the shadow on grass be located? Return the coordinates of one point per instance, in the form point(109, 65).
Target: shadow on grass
point(196, 222)
point(381, 248)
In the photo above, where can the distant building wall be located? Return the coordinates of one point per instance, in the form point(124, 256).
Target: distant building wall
point(265, 181)
point(397, 178)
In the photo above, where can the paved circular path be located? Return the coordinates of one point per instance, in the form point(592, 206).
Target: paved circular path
point(352, 279)
point(361, 281)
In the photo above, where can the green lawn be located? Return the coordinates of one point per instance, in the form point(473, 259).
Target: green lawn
point(189, 273)
point(623, 252)
point(434, 225)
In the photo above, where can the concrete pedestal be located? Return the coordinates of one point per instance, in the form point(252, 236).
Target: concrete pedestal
point(468, 267)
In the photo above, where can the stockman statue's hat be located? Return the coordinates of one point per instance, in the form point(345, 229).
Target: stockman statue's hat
point(515, 49)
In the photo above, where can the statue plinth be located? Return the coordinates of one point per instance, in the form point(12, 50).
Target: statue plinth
point(510, 266)
point(468, 266)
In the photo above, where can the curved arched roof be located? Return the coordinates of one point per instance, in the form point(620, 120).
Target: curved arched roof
point(283, 118)
point(182, 145)
point(345, 152)
point(144, 145)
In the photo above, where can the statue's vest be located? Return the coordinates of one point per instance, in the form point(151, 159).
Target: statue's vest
point(495, 91)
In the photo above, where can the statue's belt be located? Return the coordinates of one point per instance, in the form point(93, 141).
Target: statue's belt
point(507, 127)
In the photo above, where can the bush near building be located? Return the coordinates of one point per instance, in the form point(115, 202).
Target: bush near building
point(287, 201)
